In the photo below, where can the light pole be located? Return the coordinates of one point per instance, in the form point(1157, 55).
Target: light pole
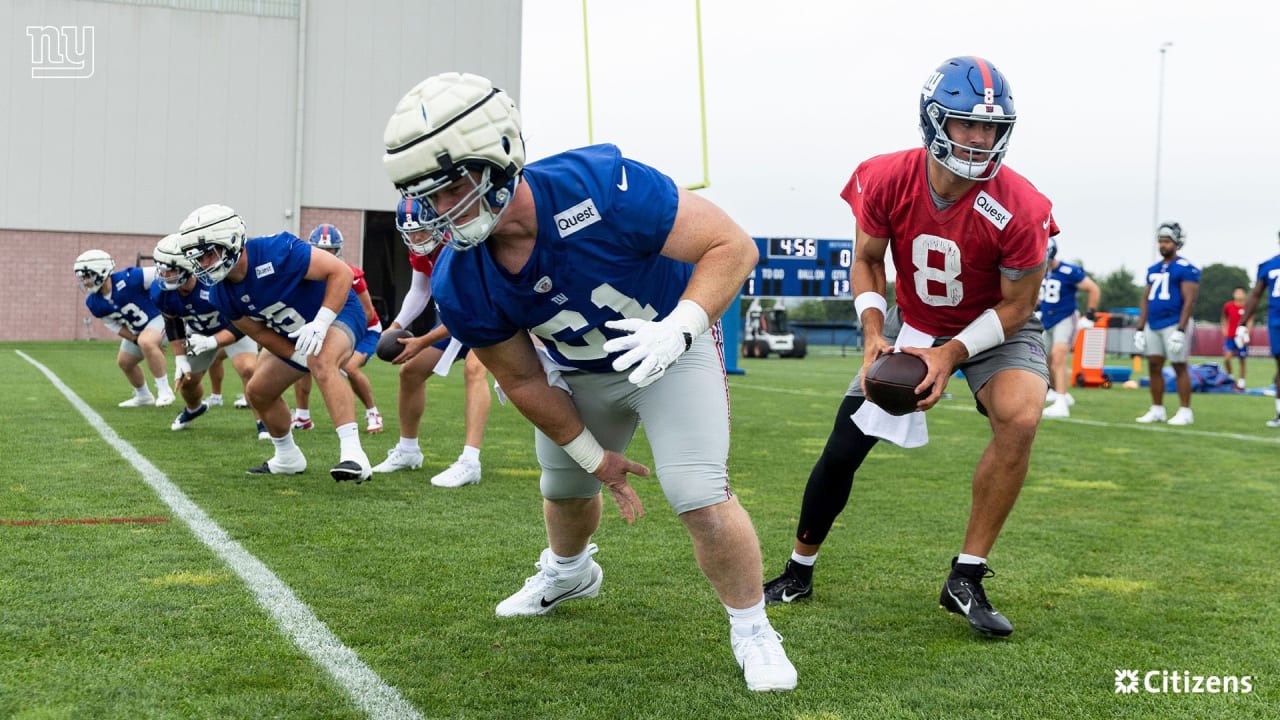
point(1155, 219)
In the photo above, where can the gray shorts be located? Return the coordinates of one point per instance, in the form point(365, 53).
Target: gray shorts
point(685, 416)
point(1063, 333)
point(1023, 351)
point(1158, 342)
point(131, 347)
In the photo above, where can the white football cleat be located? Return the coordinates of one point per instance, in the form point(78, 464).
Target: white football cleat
point(165, 399)
point(1184, 416)
point(398, 459)
point(462, 472)
point(1154, 415)
point(135, 401)
point(241, 403)
point(763, 661)
point(373, 421)
point(214, 401)
point(282, 464)
point(550, 586)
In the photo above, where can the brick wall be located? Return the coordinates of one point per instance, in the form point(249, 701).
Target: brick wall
point(40, 300)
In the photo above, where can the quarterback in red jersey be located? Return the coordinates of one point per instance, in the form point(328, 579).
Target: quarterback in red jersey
point(968, 241)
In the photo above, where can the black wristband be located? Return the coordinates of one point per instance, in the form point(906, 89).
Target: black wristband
point(688, 340)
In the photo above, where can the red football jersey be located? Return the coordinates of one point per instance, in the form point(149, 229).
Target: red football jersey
point(424, 263)
point(1233, 312)
point(360, 285)
point(948, 262)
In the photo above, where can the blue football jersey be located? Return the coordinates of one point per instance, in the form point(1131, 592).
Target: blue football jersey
point(1164, 291)
point(602, 222)
point(130, 302)
point(1269, 273)
point(195, 309)
point(275, 291)
point(1058, 293)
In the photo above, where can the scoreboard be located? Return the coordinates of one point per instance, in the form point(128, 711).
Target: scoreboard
point(801, 267)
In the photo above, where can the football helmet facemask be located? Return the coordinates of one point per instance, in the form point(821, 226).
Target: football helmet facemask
point(327, 237)
point(172, 266)
point(968, 89)
point(213, 237)
point(456, 131)
point(93, 268)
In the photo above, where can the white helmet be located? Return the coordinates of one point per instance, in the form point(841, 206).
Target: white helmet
point(93, 268)
point(172, 266)
point(447, 125)
point(212, 239)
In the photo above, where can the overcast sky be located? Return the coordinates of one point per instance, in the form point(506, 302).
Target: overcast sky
point(798, 93)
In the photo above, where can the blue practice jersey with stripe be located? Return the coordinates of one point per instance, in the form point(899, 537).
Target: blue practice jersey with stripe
point(274, 291)
point(1164, 291)
point(1058, 293)
point(194, 308)
point(130, 302)
point(602, 222)
point(1269, 273)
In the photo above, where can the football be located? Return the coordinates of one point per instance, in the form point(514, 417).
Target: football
point(388, 348)
point(891, 382)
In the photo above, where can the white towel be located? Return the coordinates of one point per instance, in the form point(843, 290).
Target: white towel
point(908, 431)
point(447, 357)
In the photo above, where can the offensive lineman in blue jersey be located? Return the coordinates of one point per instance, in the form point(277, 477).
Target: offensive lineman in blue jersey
point(196, 330)
point(268, 287)
point(123, 301)
point(610, 266)
point(1267, 280)
point(1165, 321)
point(1060, 317)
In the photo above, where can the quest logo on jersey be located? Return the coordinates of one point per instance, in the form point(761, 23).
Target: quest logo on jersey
point(577, 217)
point(264, 270)
point(992, 210)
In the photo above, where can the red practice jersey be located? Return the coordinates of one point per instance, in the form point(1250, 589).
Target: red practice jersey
point(359, 285)
point(1233, 313)
point(948, 262)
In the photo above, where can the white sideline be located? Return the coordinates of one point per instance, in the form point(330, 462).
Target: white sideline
point(369, 692)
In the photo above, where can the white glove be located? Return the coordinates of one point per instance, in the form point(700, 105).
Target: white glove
point(1177, 342)
point(1242, 336)
point(181, 367)
point(1139, 341)
point(1086, 323)
point(201, 344)
point(655, 345)
point(310, 337)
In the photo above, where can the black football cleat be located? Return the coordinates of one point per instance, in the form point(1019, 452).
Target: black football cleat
point(351, 470)
point(962, 594)
point(795, 583)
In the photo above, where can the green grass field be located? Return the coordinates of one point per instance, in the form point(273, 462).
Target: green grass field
point(1132, 547)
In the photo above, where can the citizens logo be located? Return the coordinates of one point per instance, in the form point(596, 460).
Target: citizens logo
point(1180, 682)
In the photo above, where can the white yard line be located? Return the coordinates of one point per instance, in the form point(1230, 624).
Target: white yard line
point(954, 407)
point(369, 692)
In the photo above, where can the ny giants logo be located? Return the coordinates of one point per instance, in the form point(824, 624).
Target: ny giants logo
point(61, 53)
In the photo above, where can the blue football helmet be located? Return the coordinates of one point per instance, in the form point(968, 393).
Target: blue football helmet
point(327, 237)
point(413, 220)
point(967, 88)
point(1173, 231)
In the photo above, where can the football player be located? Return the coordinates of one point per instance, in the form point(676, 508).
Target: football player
point(268, 287)
point(196, 331)
point(1232, 313)
point(123, 302)
point(1268, 281)
point(422, 355)
point(620, 274)
point(1164, 322)
point(1062, 281)
point(968, 239)
point(328, 238)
